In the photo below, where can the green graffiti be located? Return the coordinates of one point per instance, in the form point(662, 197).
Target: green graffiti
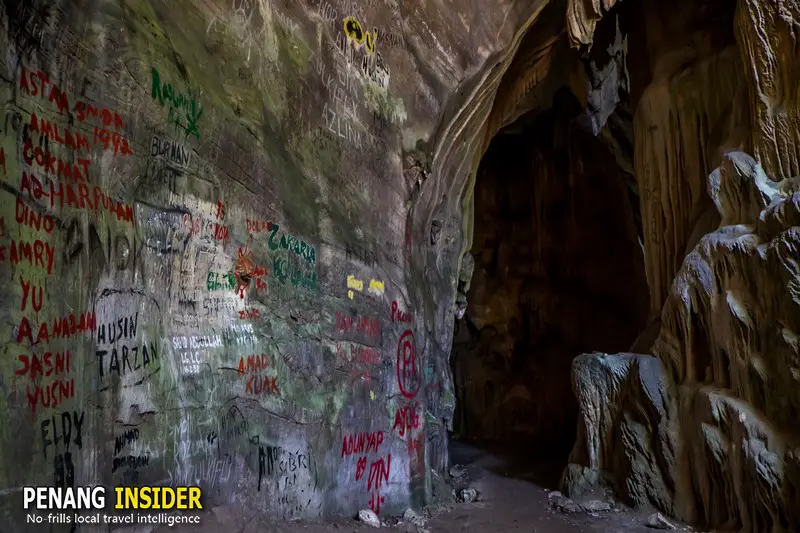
point(167, 95)
point(217, 281)
point(292, 243)
point(285, 272)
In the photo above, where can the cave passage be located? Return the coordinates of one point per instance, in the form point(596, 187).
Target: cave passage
point(558, 271)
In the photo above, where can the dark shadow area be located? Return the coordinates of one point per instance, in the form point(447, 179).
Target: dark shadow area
point(558, 271)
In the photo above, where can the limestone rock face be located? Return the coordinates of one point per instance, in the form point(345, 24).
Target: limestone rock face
point(626, 441)
point(729, 345)
point(224, 261)
point(716, 437)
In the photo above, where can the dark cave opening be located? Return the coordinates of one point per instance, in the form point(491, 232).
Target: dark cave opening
point(558, 271)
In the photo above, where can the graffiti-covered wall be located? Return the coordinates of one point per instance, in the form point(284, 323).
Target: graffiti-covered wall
point(205, 248)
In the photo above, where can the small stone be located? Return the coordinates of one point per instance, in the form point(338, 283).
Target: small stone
point(413, 518)
point(554, 494)
point(657, 521)
point(469, 495)
point(594, 515)
point(457, 471)
point(596, 506)
point(565, 505)
point(369, 517)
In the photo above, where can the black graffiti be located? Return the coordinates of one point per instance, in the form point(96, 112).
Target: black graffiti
point(131, 462)
point(266, 462)
point(63, 470)
point(126, 359)
point(68, 432)
point(118, 252)
point(233, 424)
point(359, 253)
point(132, 435)
point(170, 150)
point(123, 328)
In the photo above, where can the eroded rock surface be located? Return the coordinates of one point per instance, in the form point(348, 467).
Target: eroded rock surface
point(625, 442)
point(712, 436)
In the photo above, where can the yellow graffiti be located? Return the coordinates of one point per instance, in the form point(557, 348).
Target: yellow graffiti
point(376, 287)
point(354, 284)
point(354, 31)
point(352, 28)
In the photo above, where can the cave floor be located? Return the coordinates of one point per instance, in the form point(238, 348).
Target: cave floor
point(513, 496)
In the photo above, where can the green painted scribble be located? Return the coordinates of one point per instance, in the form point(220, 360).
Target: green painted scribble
point(178, 102)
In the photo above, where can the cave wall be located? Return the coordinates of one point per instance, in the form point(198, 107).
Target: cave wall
point(705, 428)
point(558, 270)
point(216, 246)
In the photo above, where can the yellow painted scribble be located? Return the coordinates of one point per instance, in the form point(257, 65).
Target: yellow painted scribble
point(352, 28)
point(372, 40)
point(376, 287)
point(353, 283)
point(355, 32)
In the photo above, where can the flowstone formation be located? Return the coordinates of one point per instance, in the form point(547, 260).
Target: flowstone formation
point(707, 430)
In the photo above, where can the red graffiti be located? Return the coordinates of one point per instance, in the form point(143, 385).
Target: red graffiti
point(83, 200)
point(363, 360)
point(108, 139)
point(398, 315)
point(3, 161)
point(246, 270)
point(258, 226)
point(205, 228)
point(61, 328)
point(83, 111)
point(220, 213)
point(51, 395)
point(73, 140)
point(361, 443)
point(369, 326)
point(361, 467)
point(27, 291)
point(36, 254)
point(258, 385)
point(408, 377)
point(378, 475)
point(355, 353)
point(65, 170)
point(56, 364)
point(254, 363)
point(406, 419)
point(38, 84)
point(249, 314)
point(33, 366)
point(25, 216)
point(221, 232)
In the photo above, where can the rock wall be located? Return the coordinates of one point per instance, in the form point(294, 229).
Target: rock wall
point(215, 236)
point(713, 437)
